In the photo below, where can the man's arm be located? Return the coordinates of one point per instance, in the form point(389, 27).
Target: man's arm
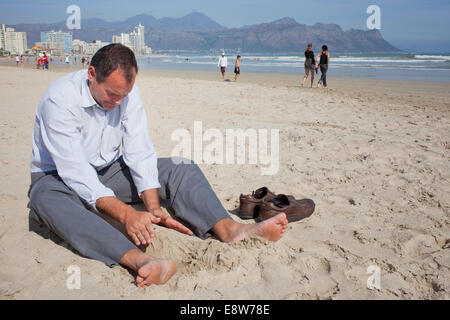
point(140, 156)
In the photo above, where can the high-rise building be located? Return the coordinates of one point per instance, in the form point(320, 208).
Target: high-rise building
point(14, 42)
point(124, 39)
point(2, 37)
point(134, 40)
point(139, 39)
point(58, 37)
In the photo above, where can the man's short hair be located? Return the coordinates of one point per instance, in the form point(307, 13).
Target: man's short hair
point(112, 57)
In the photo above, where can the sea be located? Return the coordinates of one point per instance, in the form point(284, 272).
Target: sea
point(405, 66)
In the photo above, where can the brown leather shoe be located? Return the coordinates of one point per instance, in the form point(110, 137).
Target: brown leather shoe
point(249, 203)
point(294, 209)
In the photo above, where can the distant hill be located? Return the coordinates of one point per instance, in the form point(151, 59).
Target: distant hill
point(288, 36)
point(197, 31)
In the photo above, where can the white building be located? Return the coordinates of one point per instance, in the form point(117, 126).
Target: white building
point(88, 48)
point(58, 37)
point(139, 39)
point(2, 37)
point(134, 40)
point(78, 46)
point(124, 39)
point(14, 42)
point(93, 47)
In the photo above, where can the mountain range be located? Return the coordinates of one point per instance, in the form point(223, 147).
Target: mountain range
point(197, 32)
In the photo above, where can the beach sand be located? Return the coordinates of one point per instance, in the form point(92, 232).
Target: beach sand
point(373, 155)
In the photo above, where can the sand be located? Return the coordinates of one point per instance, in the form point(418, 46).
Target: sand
point(373, 155)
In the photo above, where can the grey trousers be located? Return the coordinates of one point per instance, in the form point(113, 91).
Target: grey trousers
point(323, 77)
point(184, 188)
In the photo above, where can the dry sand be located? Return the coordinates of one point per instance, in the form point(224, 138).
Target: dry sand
point(374, 156)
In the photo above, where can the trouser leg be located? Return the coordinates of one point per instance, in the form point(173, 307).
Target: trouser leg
point(323, 78)
point(63, 212)
point(191, 197)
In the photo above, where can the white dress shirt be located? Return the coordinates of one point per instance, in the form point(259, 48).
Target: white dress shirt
point(76, 136)
point(222, 62)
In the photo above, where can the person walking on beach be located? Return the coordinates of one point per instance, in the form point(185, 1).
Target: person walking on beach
point(323, 58)
point(222, 64)
point(237, 68)
point(83, 122)
point(309, 64)
point(17, 60)
point(67, 61)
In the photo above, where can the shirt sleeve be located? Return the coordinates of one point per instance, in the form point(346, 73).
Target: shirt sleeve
point(138, 151)
point(62, 137)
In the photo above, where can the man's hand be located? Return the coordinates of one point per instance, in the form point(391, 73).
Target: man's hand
point(138, 225)
point(151, 200)
point(169, 222)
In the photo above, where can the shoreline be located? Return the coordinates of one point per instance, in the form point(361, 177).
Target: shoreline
point(252, 77)
point(413, 90)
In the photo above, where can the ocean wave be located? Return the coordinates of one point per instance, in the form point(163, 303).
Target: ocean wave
point(431, 57)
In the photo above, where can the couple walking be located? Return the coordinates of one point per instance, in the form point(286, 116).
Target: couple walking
point(222, 64)
point(322, 60)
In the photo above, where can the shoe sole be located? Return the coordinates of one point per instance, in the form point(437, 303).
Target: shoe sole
point(289, 218)
point(246, 215)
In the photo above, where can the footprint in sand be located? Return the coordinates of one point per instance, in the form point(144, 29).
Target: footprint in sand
point(420, 245)
point(312, 263)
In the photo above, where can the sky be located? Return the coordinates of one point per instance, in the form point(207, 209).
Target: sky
point(411, 25)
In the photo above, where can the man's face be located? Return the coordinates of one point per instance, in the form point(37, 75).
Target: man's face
point(112, 90)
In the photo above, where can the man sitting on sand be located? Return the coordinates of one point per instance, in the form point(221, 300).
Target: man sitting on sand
point(82, 122)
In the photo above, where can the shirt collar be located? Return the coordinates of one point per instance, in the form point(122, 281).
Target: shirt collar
point(86, 97)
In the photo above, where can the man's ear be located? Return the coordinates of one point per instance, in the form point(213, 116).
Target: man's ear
point(91, 73)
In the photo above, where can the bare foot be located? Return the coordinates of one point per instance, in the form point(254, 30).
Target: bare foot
point(155, 271)
point(271, 229)
point(149, 270)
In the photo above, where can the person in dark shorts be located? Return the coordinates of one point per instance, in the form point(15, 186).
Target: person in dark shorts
point(309, 64)
point(222, 64)
point(237, 68)
point(323, 58)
